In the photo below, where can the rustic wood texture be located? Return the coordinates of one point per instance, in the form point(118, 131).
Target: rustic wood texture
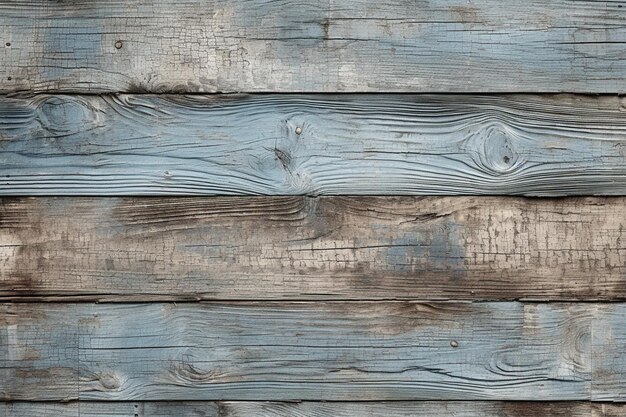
point(376, 144)
point(317, 46)
point(313, 409)
point(609, 354)
point(247, 248)
point(328, 276)
point(308, 351)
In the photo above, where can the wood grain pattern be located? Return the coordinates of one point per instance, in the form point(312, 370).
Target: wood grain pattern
point(305, 351)
point(313, 409)
point(391, 145)
point(609, 354)
point(317, 46)
point(247, 248)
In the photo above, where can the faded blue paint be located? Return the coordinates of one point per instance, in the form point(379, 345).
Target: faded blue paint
point(405, 253)
point(609, 353)
point(315, 351)
point(362, 145)
point(433, 250)
point(315, 46)
point(75, 40)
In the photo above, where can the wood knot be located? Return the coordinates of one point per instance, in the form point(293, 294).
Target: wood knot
point(64, 116)
point(109, 381)
point(493, 149)
point(284, 157)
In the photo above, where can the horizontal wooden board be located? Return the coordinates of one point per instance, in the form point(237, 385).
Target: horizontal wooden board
point(312, 409)
point(316, 46)
point(314, 145)
point(309, 351)
point(299, 248)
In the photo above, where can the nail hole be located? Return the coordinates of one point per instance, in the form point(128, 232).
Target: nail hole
point(8, 43)
point(118, 45)
point(9, 78)
point(454, 344)
point(298, 130)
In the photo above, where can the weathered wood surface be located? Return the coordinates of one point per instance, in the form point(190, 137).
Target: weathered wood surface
point(130, 145)
point(247, 248)
point(313, 409)
point(609, 354)
point(308, 351)
point(321, 46)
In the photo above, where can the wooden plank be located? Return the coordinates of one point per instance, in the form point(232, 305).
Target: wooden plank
point(609, 355)
point(38, 353)
point(317, 46)
point(301, 248)
point(286, 145)
point(312, 409)
point(609, 410)
point(300, 351)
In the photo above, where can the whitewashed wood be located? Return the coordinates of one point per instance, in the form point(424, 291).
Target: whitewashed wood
point(301, 351)
point(312, 409)
point(158, 145)
point(301, 248)
point(321, 46)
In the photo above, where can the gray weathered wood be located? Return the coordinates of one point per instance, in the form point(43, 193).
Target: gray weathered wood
point(121, 145)
point(609, 354)
point(236, 248)
point(38, 352)
point(322, 46)
point(608, 410)
point(313, 409)
point(309, 351)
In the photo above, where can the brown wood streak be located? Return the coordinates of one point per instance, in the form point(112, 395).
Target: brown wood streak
point(148, 249)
